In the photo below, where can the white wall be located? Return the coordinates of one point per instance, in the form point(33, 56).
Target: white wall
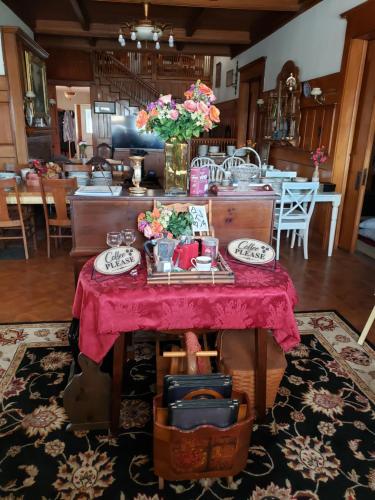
point(9, 18)
point(82, 97)
point(314, 41)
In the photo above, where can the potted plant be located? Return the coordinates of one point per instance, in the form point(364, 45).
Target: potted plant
point(177, 123)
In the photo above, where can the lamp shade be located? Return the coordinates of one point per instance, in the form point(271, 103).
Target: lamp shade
point(316, 91)
point(30, 94)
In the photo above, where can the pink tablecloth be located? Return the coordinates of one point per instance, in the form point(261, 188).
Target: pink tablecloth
point(107, 306)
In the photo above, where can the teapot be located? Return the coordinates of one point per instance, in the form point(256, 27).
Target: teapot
point(161, 250)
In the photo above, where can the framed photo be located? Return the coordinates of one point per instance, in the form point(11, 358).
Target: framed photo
point(218, 75)
point(36, 82)
point(105, 107)
point(229, 78)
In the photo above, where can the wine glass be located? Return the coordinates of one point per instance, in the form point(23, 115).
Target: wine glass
point(128, 236)
point(114, 238)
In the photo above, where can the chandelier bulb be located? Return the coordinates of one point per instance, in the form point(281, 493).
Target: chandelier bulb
point(157, 46)
point(123, 42)
point(133, 35)
point(171, 40)
point(139, 45)
point(155, 36)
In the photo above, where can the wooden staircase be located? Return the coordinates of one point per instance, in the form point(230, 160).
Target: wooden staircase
point(130, 90)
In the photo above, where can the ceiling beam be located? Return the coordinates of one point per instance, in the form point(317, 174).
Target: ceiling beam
point(81, 13)
point(99, 30)
point(193, 21)
point(275, 5)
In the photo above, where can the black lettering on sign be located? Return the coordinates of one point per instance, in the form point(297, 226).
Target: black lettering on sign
point(199, 217)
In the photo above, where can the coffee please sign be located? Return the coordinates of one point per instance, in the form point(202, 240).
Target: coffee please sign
point(117, 260)
point(251, 251)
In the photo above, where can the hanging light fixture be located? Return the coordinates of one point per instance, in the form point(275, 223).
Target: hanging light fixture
point(69, 94)
point(145, 30)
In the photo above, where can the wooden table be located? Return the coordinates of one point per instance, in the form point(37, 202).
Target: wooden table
point(232, 217)
point(29, 195)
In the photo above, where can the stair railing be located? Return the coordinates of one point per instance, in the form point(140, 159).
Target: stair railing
point(108, 67)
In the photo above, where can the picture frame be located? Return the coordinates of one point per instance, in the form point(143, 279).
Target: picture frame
point(36, 81)
point(105, 107)
point(229, 78)
point(218, 75)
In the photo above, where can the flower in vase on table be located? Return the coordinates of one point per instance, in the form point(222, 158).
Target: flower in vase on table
point(319, 156)
point(181, 120)
point(161, 220)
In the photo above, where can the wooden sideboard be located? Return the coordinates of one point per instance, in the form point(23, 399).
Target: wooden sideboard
point(233, 217)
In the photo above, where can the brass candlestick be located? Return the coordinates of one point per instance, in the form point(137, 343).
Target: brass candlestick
point(136, 163)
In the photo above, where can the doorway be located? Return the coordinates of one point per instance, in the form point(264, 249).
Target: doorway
point(360, 175)
point(74, 120)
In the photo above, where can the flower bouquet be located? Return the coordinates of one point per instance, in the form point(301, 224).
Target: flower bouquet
point(177, 123)
point(318, 157)
point(162, 220)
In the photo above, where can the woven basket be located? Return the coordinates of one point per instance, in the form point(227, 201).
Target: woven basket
point(236, 358)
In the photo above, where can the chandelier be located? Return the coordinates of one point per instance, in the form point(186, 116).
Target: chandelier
point(145, 30)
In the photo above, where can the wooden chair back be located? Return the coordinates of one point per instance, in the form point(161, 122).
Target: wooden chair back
point(184, 207)
point(77, 168)
point(58, 188)
point(5, 218)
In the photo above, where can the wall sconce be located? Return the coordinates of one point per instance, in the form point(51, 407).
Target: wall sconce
point(52, 101)
point(260, 102)
point(29, 107)
point(317, 94)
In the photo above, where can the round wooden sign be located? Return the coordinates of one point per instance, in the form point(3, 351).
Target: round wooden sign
point(251, 251)
point(117, 260)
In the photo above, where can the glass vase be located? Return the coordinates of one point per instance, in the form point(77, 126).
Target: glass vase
point(315, 175)
point(176, 167)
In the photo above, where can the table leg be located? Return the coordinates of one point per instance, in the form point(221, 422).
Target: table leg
point(332, 229)
point(260, 371)
point(117, 371)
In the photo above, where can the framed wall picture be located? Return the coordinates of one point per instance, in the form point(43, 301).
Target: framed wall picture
point(105, 107)
point(218, 75)
point(36, 82)
point(229, 78)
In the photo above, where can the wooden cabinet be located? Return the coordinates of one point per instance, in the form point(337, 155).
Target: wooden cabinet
point(233, 217)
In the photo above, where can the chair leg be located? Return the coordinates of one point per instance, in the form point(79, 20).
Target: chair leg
point(288, 233)
point(48, 243)
point(33, 229)
point(305, 244)
point(293, 238)
point(367, 327)
point(25, 242)
point(278, 244)
point(300, 237)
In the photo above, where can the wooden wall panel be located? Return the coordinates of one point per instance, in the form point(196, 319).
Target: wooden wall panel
point(228, 119)
point(5, 124)
point(69, 65)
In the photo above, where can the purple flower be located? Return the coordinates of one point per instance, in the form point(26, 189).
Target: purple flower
point(151, 106)
point(142, 224)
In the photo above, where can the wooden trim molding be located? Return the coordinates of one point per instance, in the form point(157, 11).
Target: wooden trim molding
point(360, 29)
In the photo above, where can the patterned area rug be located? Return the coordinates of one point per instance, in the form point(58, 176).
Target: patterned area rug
point(317, 441)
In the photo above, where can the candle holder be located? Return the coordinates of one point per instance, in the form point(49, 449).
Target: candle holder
point(136, 163)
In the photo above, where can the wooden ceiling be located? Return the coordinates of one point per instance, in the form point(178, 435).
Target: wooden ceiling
point(219, 27)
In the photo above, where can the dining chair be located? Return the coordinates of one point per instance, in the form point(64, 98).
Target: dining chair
point(58, 189)
point(15, 217)
point(245, 152)
point(297, 204)
point(232, 161)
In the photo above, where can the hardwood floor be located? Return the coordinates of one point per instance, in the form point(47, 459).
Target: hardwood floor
point(42, 289)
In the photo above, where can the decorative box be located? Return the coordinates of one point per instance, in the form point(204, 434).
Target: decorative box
point(199, 179)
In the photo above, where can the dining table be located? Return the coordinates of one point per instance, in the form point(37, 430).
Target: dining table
point(110, 307)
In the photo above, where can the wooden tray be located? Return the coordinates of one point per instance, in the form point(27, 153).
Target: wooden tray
point(224, 275)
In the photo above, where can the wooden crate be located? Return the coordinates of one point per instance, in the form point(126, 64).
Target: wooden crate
point(237, 358)
point(206, 451)
point(224, 275)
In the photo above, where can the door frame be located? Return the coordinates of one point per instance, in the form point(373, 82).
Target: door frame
point(252, 71)
point(360, 29)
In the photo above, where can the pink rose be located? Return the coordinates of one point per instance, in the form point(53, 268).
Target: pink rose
point(203, 108)
point(148, 232)
point(190, 106)
point(174, 114)
point(165, 99)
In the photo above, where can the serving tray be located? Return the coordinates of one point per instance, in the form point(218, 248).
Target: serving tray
point(224, 275)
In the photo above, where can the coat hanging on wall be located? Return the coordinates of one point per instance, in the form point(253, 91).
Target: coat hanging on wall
point(69, 131)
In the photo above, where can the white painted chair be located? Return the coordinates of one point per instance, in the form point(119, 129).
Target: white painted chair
point(232, 161)
point(367, 327)
point(201, 161)
point(216, 171)
point(297, 204)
